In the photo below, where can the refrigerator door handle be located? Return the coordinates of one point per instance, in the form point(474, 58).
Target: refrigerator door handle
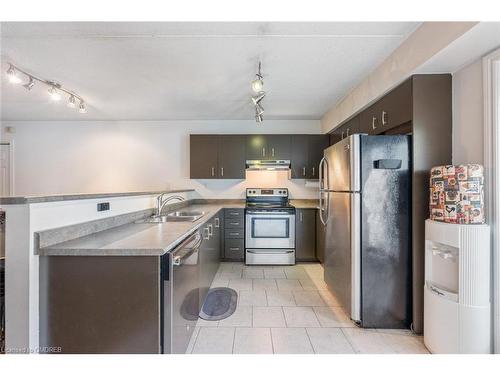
point(355, 257)
point(322, 190)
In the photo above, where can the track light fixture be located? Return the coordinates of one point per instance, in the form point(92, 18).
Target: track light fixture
point(72, 102)
point(28, 86)
point(257, 98)
point(258, 82)
point(82, 108)
point(259, 110)
point(12, 75)
point(54, 94)
point(257, 86)
point(55, 90)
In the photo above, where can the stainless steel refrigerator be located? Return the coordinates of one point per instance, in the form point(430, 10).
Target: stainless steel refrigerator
point(365, 204)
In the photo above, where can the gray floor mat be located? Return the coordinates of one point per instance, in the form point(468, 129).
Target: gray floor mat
point(219, 304)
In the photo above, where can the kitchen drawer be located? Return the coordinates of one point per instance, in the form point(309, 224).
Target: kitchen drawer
point(231, 213)
point(234, 233)
point(234, 249)
point(237, 222)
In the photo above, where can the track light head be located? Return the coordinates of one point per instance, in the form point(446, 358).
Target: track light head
point(54, 94)
point(12, 75)
point(257, 84)
point(257, 98)
point(82, 108)
point(259, 110)
point(28, 86)
point(72, 102)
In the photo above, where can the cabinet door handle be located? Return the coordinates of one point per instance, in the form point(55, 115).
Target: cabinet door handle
point(301, 216)
point(384, 118)
point(272, 151)
point(234, 223)
point(222, 171)
point(342, 136)
point(303, 171)
point(234, 213)
point(374, 120)
point(234, 248)
point(206, 234)
point(347, 132)
point(217, 222)
point(313, 171)
point(213, 171)
point(263, 151)
point(235, 233)
point(210, 230)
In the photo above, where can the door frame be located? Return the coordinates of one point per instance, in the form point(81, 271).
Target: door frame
point(10, 143)
point(491, 95)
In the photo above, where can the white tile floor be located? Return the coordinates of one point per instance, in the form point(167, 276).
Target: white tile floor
point(288, 310)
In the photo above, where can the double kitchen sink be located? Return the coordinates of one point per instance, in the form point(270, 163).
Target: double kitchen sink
point(189, 216)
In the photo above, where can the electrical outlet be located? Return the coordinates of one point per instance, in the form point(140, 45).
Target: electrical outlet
point(103, 206)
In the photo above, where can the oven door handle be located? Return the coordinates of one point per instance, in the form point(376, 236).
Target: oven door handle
point(260, 213)
point(270, 252)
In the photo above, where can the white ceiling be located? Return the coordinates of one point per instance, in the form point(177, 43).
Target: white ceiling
point(171, 71)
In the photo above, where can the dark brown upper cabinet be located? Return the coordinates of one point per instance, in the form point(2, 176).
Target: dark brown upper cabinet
point(204, 156)
point(335, 135)
point(370, 120)
point(256, 147)
point(217, 156)
point(299, 159)
point(317, 144)
point(224, 156)
point(390, 111)
point(395, 108)
point(350, 127)
point(268, 147)
point(345, 130)
point(306, 153)
point(278, 147)
point(232, 156)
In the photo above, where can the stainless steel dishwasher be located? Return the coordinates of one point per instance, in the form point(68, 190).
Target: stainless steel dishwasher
point(180, 274)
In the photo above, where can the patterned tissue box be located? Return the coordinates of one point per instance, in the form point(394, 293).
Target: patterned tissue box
point(457, 194)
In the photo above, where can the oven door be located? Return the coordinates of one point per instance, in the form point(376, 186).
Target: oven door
point(269, 230)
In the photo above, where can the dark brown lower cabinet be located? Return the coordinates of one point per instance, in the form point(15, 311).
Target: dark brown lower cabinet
point(234, 234)
point(100, 304)
point(320, 239)
point(305, 234)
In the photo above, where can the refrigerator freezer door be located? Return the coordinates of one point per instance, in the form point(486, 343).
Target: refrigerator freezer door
point(342, 251)
point(385, 233)
point(344, 165)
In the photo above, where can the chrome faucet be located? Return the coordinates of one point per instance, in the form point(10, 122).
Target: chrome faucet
point(160, 202)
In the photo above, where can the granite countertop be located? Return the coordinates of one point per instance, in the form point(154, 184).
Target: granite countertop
point(137, 239)
point(72, 197)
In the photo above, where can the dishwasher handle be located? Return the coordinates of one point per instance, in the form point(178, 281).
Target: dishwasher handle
point(187, 248)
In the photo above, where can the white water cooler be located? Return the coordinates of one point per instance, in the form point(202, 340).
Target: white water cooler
point(457, 312)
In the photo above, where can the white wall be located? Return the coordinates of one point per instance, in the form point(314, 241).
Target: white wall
point(468, 114)
point(107, 156)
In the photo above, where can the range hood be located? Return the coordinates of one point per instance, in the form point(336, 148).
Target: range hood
point(267, 165)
